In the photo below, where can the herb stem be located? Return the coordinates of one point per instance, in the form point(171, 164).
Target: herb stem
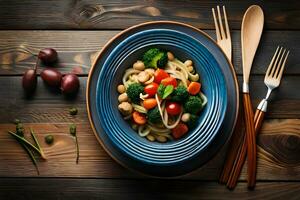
point(27, 143)
point(37, 143)
point(77, 149)
point(31, 156)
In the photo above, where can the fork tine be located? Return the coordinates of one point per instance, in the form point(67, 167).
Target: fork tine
point(216, 25)
point(272, 62)
point(276, 63)
point(221, 24)
point(279, 64)
point(226, 23)
point(279, 75)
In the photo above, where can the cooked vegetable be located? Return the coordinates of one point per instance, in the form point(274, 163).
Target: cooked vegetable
point(140, 109)
point(151, 89)
point(194, 88)
point(180, 130)
point(133, 92)
point(149, 103)
point(159, 75)
point(121, 88)
point(154, 58)
point(49, 139)
point(168, 90)
point(143, 77)
point(173, 108)
point(123, 97)
point(193, 104)
point(138, 65)
point(180, 94)
point(154, 115)
point(161, 90)
point(193, 121)
point(169, 81)
point(139, 118)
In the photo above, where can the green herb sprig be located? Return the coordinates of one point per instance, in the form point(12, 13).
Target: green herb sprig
point(72, 129)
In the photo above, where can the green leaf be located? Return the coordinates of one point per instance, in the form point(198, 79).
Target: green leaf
point(168, 90)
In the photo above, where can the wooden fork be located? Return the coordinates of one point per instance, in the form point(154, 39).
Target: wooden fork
point(223, 36)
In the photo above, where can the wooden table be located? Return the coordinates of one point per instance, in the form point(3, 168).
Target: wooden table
point(78, 30)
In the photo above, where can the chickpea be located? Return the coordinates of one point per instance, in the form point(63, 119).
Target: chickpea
point(121, 89)
point(150, 137)
point(161, 138)
point(139, 65)
point(188, 63)
point(185, 117)
point(123, 97)
point(190, 68)
point(143, 77)
point(125, 108)
point(170, 56)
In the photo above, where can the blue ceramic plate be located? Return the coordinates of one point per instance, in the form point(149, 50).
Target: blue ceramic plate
point(216, 120)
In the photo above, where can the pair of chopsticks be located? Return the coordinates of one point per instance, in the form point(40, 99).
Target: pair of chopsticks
point(241, 146)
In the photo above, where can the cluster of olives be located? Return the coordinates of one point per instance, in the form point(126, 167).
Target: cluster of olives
point(69, 83)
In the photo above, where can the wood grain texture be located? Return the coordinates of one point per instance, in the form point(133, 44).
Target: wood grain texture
point(95, 14)
point(278, 152)
point(77, 49)
point(48, 189)
point(51, 106)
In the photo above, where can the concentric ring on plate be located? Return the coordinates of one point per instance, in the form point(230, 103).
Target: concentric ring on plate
point(216, 121)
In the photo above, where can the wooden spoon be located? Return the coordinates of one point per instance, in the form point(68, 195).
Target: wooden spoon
point(252, 26)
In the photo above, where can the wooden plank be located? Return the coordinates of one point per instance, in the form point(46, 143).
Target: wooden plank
point(49, 106)
point(277, 154)
point(134, 189)
point(95, 14)
point(79, 48)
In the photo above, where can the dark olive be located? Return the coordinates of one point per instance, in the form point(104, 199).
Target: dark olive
point(29, 80)
point(70, 84)
point(48, 55)
point(51, 77)
point(49, 139)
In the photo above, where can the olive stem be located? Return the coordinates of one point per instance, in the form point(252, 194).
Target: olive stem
point(36, 64)
point(37, 143)
point(77, 149)
point(28, 143)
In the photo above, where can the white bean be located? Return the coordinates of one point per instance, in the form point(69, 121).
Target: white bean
point(188, 63)
point(161, 138)
point(170, 56)
point(139, 65)
point(185, 117)
point(121, 89)
point(150, 137)
point(123, 97)
point(143, 77)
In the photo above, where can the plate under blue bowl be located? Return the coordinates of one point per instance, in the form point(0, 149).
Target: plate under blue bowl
point(216, 120)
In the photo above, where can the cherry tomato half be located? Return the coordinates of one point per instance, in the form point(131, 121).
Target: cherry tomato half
point(169, 81)
point(159, 75)
point(173, 108)
point(151, 89)
point(139, 118)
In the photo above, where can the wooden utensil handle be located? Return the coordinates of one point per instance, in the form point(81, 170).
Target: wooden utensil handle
point(258, 119)
point(251, 140)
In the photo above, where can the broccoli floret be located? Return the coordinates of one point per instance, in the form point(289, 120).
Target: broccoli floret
point(193, 104)
point(193, 120)
point(154, 115)
point(154, 58)
point(160, 90)
point(133, 91)
point(180, 94)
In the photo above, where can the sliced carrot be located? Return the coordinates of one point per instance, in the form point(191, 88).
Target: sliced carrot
point(149, 103)
point(180, 130)
point(139, 118)
point(194, 88)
